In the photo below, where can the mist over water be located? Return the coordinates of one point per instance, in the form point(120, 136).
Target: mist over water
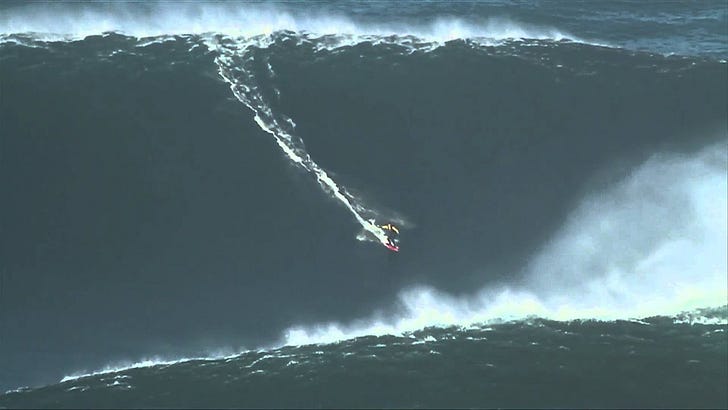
point(653, 244)
point(197, 186)
point(250, 19)
point(667, 29)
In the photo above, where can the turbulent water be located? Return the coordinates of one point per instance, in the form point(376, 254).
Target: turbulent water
point(191, 196)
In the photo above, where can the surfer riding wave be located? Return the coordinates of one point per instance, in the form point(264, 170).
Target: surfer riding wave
point(392, 233)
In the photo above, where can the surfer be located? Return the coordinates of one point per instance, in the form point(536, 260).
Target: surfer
point(392, 233)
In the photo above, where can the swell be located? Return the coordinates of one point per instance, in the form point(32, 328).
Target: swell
point(486, 150)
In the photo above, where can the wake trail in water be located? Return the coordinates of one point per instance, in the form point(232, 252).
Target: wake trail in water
point(236, 65)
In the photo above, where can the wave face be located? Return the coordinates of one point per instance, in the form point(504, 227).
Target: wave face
point(181, 186)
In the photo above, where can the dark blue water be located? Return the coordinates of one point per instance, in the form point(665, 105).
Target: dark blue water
point(188, 189)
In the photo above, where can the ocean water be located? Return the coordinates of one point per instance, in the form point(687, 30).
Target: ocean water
point(190, 195)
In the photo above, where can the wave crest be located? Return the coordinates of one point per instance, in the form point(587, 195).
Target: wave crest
point(53, 22)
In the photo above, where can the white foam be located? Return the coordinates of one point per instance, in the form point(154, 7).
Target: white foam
point(654, 244)
point(127, 366)
point(77, 21)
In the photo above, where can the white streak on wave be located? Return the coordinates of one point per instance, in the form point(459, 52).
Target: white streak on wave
point(235, 65)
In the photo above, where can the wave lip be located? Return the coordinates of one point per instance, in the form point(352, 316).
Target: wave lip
point(56, 23)
point(653, 245)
